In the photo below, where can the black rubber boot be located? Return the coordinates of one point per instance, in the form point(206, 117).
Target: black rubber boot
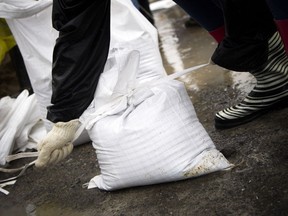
point(270, 91)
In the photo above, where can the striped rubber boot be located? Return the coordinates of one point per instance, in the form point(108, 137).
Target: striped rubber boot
point(270, 91)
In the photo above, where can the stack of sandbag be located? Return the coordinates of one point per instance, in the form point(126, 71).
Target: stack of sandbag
point(20, 127)
point(142, 123)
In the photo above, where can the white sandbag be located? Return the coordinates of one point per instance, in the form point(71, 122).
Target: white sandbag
point(130, 29)
point(7, 106)
point(15, 129)
point(32, 133)
point(142, 124)
point(147, 134)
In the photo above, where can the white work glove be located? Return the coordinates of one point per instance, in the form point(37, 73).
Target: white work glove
point(57, 144)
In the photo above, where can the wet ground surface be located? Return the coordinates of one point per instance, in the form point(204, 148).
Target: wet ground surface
point(258, 185)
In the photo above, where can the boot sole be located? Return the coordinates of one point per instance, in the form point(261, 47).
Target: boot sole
point(226, 124)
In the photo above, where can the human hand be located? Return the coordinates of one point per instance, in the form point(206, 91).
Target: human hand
point(57, 144)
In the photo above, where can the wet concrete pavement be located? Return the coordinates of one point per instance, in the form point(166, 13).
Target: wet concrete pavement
point(256, 186)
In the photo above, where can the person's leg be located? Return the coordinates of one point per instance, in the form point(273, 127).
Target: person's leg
point(279, 9)
point(207, 14)
point(244, 45)
point(271, 89)
point(79, 56)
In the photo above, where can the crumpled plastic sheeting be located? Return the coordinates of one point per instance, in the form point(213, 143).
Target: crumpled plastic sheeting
point(20, 126)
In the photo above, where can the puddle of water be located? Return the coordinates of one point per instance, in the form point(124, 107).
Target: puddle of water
point(169, 42)
point(183, 47)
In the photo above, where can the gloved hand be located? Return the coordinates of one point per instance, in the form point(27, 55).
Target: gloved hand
point(57, 144)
